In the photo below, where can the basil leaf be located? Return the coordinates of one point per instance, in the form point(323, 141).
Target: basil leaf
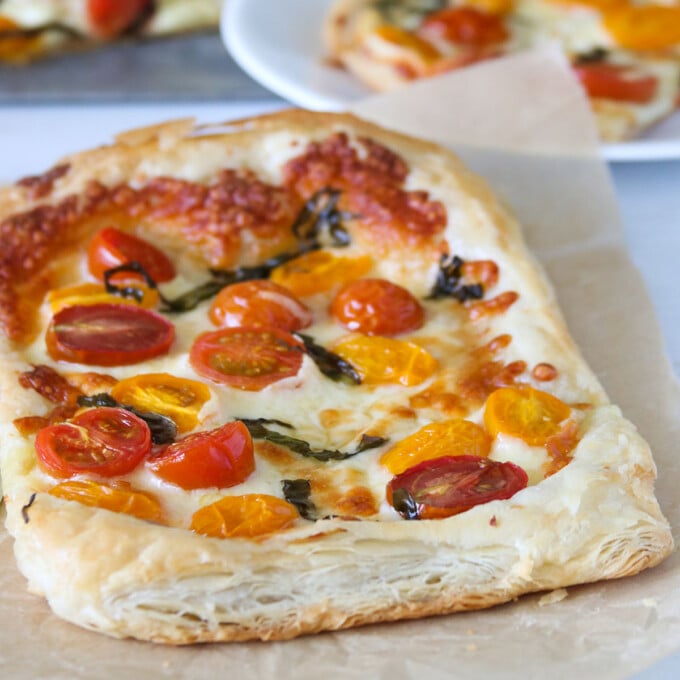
point(163, 429)
point(330, 364)
point(448, 282)
point(258, 430)
point(320, 214)
point(405, 504)
point(298, 492)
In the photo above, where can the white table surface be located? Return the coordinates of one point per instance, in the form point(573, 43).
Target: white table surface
point(32, 138)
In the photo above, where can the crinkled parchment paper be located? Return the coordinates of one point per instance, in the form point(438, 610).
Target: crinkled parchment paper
point(524, 125)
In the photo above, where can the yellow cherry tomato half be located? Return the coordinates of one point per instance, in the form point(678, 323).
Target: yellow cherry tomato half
point(456, 437)
point(320, 271)
point(525, 413)
point(95, 293)
point(646, 27)
point(118, 497)
point(399, 37)
point(245, 516)
point(177, 398)
point(386, 360)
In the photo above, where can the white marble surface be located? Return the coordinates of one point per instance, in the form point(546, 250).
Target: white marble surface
point(31, 138)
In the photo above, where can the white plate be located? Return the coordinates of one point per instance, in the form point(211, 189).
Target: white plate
point(279, 44)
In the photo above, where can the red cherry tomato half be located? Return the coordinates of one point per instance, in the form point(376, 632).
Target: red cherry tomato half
point(246, 358)
point(610, 81)
point(111, 17)
point(452, 484)
point(221, 458)
point(112, 247)
point(108, 335)
point(259, 303)
point(377, 307)
point(466, 26)
point(104, 441)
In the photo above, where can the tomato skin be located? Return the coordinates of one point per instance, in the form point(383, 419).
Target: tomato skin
point(609, 81)
point(102, 441)
point(259, 303)
point(377, 307)
point(108, 335)
point(246, 358)
point(449, 485)
point(249, 516)
point(112, 17)
point(112, 247)
point(466, 26)
point(217, 458)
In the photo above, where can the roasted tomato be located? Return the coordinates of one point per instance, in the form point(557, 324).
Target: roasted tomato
point(112, 17)
point(112, 247)
point(456, 437)
point(377, 307)
point(447, 486)
point(465, 26)
point(177, 398)
point(381, 360)
point(644, 27)
point(246, 516)
point(102, 441)
point(120, 497)
point(95, 294)
point(526, 413)
point(222, 457)
point(320, 271)
point(247, 358)
point(259, 303)
point(609, 81)
point(108, 335)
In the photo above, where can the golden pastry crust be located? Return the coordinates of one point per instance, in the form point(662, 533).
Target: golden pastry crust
point(595, 519)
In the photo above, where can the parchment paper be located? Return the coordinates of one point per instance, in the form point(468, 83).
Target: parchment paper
point(524, 125)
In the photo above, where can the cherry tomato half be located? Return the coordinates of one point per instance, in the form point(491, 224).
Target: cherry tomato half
point(259, 303)
point(644, 27)
point(246, 358)
point(377, 307)
point(112, 247)
point(108, 335)
point(222, 457)
point(450, 485)
point(111, 17)
point(247, 516)
point(103, 441)
point(176, 398)
point(120, 497)
point(465, 26)
point(610, 81)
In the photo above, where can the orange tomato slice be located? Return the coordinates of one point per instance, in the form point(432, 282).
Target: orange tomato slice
point(381, 360)
point(245, 516)
point(456, 437)
point(95, 293)
point(320, 271)
point(409, 41)
point(524, 412)
point(118, 497)
point(176, 398)
point(647, 27)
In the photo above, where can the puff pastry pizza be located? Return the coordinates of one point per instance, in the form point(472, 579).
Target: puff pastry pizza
point(297, 373)
point(626, 54)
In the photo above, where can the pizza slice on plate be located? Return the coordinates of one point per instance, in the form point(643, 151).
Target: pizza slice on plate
point(294, 374)
point(627, 56)
point(30, 29)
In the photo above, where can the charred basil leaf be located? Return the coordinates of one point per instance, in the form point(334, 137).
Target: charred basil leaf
point(298, 492)
point(24, 508)
point(408, 14)
point(331, 365)
point(258, 430)
point(405, 504)
point(163, 429)
point(448, 282)
point(594, 56)
point(320, 216)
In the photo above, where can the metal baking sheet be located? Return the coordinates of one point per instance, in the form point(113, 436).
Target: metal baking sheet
point(180, 69)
